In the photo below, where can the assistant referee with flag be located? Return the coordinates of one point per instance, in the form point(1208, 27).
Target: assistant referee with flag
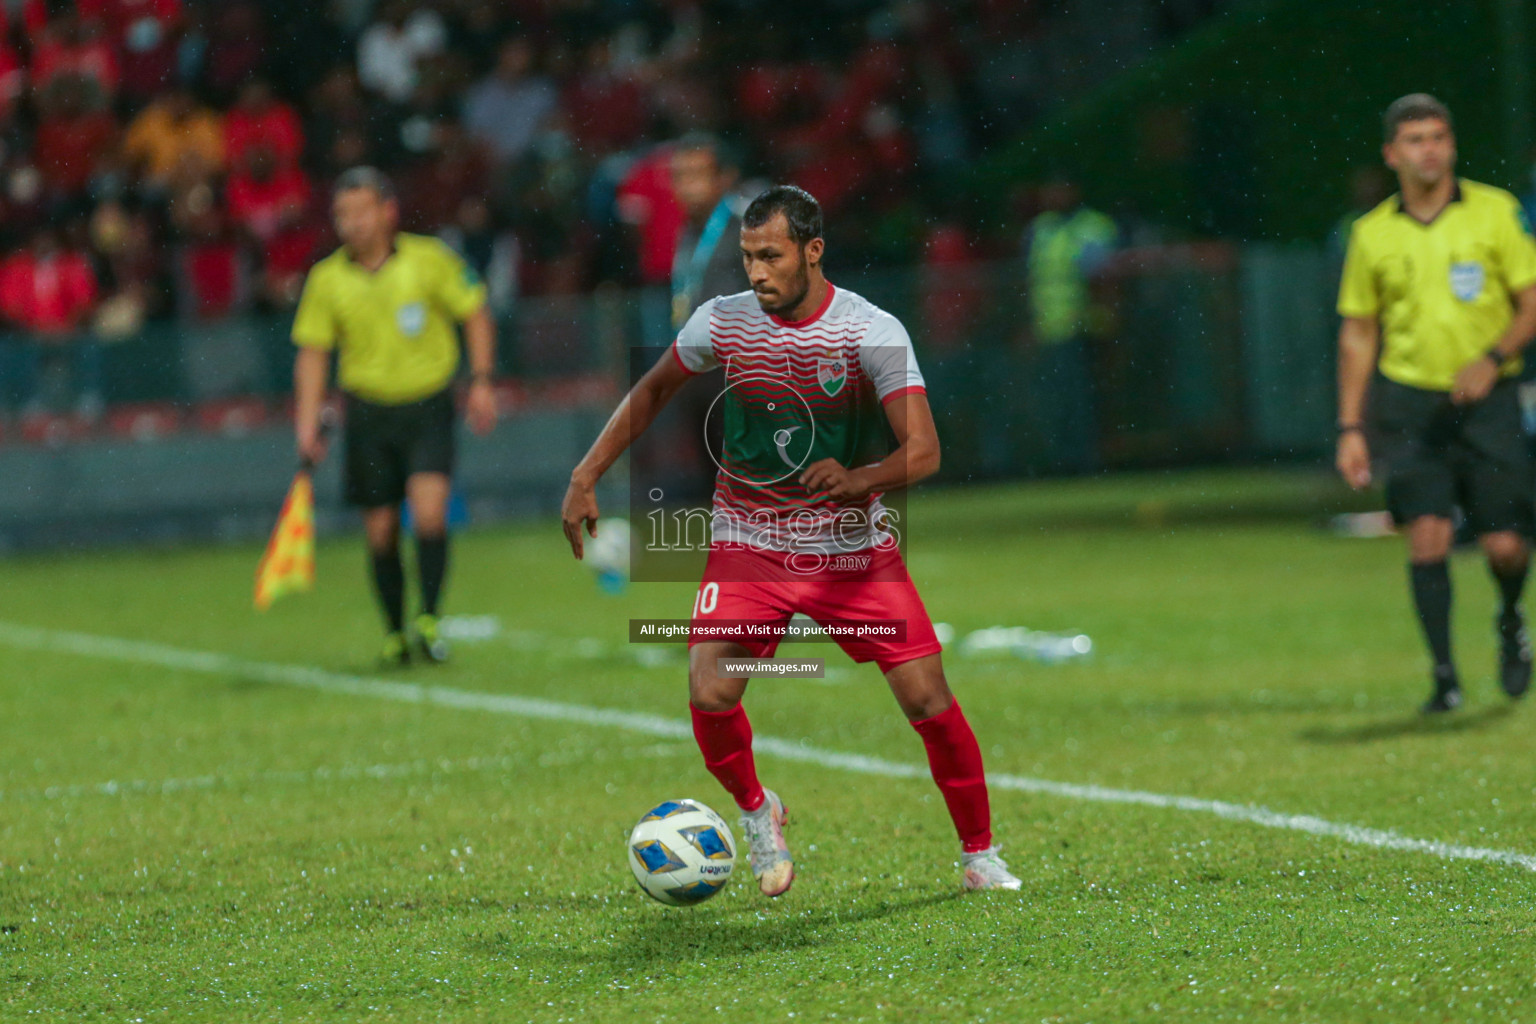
point(387, 302)
point(1439, 300)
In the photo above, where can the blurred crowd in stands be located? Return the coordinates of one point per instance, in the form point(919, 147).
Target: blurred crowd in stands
point(169, 160)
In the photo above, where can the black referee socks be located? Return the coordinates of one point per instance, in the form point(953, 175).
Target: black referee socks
point(432, 564)
point(1511, 586)
point(389, 585)
point(1432, 598)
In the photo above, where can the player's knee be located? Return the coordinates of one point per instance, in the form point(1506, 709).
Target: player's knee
point(921, 689)
point(1506, 552)
point(429, 518)
point(707, 689)
point(708, 692)
point(927, 705)
point(1429, 542)
point(427, 529)
point(382, 538)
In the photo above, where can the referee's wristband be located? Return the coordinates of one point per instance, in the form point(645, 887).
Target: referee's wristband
point(1351, 428)
point(1496, 357)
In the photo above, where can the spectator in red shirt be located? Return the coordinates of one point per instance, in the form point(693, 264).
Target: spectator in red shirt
point(74, 138)
point(264, 197)
point(210, 275)
point(13, 76)
point(48, 293)
point(953, 295)
point(647, 202)
point(260, 119)
point(70, 46)
point(144, 34)
point(270, 205)
point(46, 289)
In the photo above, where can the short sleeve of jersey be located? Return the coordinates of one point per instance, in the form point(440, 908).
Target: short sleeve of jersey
point(314, 326)
point(1517, 250)
point(459, 288)
point(1357, 288)
point(888, 360)
point(693, 347)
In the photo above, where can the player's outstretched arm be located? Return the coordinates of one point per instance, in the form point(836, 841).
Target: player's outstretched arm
point(635, 413)
point(915, 458)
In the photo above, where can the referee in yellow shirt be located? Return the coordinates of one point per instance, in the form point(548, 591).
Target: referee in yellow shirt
point(1438, 300)
point(388, 303)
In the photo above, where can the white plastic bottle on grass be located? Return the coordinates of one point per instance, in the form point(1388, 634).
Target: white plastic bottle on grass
point(607, 554)
point(1029, 644)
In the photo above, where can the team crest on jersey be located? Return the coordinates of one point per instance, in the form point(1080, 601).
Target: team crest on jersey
point(411, 319)
point(1467, 280)
point(832, 374)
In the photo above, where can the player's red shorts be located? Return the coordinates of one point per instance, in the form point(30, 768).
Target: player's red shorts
point(848, 592)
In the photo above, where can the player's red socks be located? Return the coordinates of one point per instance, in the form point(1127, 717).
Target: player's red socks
point(725, 737)
point(955, 760)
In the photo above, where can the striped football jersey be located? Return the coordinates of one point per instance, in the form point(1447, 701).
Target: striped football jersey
point(795, 393)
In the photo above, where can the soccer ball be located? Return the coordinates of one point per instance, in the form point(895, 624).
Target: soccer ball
point(607, 554)
point(681, 852)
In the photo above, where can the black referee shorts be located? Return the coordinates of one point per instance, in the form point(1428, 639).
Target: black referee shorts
point(1440, 456)
point(386, 444)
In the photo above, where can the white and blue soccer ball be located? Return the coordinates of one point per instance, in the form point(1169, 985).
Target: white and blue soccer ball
point(607, 554)
point(681, 852)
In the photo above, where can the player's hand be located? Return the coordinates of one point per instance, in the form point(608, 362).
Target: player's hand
point(829, 475)
point(480, 407)
point(577, 510)
point(311, 444)
point(1354, 460)
point(1474, 382)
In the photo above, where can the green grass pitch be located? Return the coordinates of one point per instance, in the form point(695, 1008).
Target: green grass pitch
point(194, 844)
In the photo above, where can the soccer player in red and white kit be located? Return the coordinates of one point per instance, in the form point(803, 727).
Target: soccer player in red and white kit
point(810, 538)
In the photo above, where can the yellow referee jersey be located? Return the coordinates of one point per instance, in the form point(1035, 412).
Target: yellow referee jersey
point(394, 327)
point(1442, 292)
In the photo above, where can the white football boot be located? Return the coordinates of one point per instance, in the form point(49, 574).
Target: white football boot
point(764, 829)
point(985, 869)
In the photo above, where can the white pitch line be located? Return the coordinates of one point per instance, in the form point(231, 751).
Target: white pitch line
point(163, 787)
point(325, 773)
point(160, 655)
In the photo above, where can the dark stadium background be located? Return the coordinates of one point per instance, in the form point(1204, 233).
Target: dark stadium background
point(154, 403)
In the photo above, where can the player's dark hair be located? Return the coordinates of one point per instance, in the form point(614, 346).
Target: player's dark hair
point(366, 177)
point(800, 209)
point(1416, 106)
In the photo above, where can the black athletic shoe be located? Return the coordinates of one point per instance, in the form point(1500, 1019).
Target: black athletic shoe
point(1447, 693)
point(1514, 655)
